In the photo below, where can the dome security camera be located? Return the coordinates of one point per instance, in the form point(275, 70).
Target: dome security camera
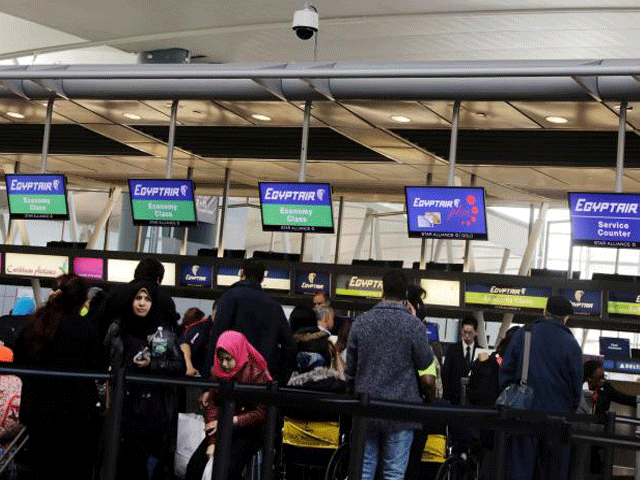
point(305, 22)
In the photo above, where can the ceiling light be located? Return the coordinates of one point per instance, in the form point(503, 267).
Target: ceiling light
point(553, 119)
point(400, 119)
point(260, 116)
point(481, 115)
point(617, 107)
point(132, 116)
point(15, 115)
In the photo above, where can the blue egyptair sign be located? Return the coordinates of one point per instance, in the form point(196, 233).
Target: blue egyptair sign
point(309, 282)
point(446, 212)
point(196, 275)
point(584, 302)
point(605, 219)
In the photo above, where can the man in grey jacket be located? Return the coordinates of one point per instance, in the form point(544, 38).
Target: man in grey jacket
point(386, 347)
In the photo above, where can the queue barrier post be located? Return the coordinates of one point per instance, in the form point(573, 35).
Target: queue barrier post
point(358, 439)
point(500, 450)
point(222, 454)
point(268, 459)
point(557, 442)
point(114, 421)
point(609, 429)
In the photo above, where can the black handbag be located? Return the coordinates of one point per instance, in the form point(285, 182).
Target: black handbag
point(519, 396)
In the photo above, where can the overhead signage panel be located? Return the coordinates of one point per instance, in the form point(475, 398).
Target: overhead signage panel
point(445, 293)
point(622, 366)
point(274, 279)
point(584, 302)
point(624, 303)
point(40, 197)
point(87, 267)
point(296, 207)
point(196, 275)
point(605, 219)
point(446, 212)
point(359, 286)
point(615, 347)
point(507, 297)
point(162, 202)
point(309, 282)
point(27, 264)
point(119, 270)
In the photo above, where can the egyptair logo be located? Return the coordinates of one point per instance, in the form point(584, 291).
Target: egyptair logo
point(195, 269)
point(320, 193)
point(312, 277)
point(578, 295)
point(56, 184)
point(184, 189)
point(456, 202)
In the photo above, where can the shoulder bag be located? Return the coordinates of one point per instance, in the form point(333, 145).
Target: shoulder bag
point(519, 396)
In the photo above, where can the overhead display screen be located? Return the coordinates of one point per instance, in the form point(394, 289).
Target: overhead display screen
point(446, 212)
point(274, 278)
point(507, 297)
point(310, 282)
point(120, 270)
point(441, 292)
point(584, 302)
point(38, 197)
point(162, 202)
point(296, 207)
point(624, 304)
point(359, 286)
point(196, 275)
point(605, 219)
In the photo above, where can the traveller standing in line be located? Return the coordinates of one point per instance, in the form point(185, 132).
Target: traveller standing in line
point(556, 378)
point(60, 413)
point(236, 361)
point(149, 420)
point(195, 339)
point(247, 309)
point(386, 346)
point(458, 360)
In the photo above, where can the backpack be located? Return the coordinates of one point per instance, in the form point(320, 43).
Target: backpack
point(484, 382)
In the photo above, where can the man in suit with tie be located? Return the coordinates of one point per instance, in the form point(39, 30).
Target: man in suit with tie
point(458, 360)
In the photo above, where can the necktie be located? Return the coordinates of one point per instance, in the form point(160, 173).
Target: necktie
point(468, 355)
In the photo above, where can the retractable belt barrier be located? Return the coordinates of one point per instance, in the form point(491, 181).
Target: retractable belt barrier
point(555, 428)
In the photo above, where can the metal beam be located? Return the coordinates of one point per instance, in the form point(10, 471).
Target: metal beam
point(73, 219)
point(103, 218)
point(172, 138)
point(339, 230)
point(527, 259)
point(46, 137)
point(363, 232)
point(302, 172)
point(223, 213)
point(185, 237)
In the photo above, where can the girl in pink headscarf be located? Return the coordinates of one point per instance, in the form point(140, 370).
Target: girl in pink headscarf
point(236, 360)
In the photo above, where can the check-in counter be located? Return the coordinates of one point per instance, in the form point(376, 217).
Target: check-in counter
point(624, 460)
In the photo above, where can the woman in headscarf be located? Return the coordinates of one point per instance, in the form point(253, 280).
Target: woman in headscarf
point(236, 360)
point(60, 413)
point(149, 422)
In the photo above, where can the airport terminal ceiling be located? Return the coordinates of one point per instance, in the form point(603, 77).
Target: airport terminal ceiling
point(522, 152)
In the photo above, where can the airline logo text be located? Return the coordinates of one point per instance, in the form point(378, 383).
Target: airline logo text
point(294, 195)
point(144, 191)
point(584, 205)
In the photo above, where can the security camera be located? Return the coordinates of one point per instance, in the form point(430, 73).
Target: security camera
point(305, 22)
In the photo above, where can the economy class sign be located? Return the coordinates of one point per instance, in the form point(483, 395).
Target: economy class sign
point(605, 219)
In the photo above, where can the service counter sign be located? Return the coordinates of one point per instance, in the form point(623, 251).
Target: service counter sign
point(162, 202)
point(274, 279)
point(87, 267)
point(309, 282)
point(446, 212)
point(507, 297)
point(624, 303)
point(196, 275)
point(296, 207)
point(359, 286)
point(584, 302)
point(27, 264)
point(37, 197)
point(605, 219)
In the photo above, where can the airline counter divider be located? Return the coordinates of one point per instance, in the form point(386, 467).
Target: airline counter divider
point(602, 304)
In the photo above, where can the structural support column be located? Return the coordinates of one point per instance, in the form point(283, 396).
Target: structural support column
point(423, 243)
point(622, 124)
point(73, 219)
point(104, 218)
point(302, 172)
point(185, 237)
point(527, 260)
point(223, 212)
point(339, 231)
point(363, 232)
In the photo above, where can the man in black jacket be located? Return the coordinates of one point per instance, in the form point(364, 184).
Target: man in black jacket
point(458, 360)
point(246, 308)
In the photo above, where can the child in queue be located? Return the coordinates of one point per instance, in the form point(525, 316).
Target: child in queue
point(236, 360)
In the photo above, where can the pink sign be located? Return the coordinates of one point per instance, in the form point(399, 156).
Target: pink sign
point(89, 267)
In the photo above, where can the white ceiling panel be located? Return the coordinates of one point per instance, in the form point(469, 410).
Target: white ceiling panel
point(483, 115)
point(579, 115)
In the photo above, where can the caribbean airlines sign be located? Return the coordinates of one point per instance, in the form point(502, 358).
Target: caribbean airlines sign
point(605, 219)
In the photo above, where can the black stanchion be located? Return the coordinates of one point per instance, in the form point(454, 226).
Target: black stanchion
point(500, 450)
point(556, 443)
point(114, 420)
point(222, 454)
point(609, 429)
point(268, 458)
point(358, 438)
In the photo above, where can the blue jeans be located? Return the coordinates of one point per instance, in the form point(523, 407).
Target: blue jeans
point(392, 448)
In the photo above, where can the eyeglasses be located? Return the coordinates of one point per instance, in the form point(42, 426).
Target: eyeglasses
point(317, 304)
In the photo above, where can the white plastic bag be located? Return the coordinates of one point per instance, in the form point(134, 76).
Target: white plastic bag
point(208, 470)
point(190, 435)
